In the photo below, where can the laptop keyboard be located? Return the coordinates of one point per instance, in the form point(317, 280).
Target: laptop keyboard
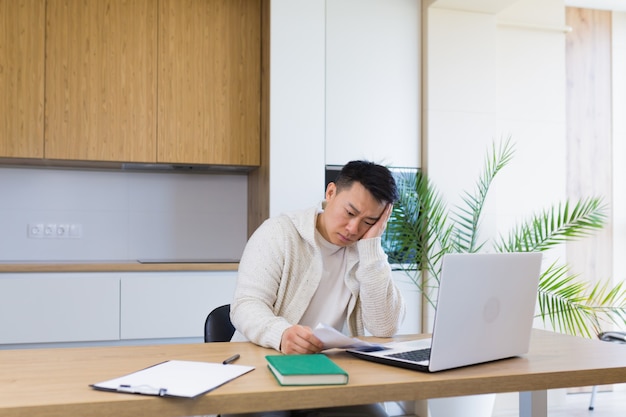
point(418, 355)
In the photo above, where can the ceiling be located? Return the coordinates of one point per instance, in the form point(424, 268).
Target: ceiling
point(481, 6)
point(496, 6)
point(617, 5)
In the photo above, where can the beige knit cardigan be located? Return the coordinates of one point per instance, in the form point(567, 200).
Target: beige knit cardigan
point(280, 270)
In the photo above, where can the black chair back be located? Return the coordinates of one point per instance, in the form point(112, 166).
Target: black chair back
point(217, 326)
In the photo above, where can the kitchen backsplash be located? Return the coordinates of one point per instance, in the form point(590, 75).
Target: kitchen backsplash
point(122, 215)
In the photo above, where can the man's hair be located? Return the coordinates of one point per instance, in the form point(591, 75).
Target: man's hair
point(377, 179)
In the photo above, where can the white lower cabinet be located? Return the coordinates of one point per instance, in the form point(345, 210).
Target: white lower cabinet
point(43, 308)
point(48, 308)
point(171, 305)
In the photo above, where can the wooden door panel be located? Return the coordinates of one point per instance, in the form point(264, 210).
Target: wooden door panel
point(101, 80)
point(209, 81)
point(21, 78)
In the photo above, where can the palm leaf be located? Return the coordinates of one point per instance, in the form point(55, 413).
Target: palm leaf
point(556, 225)
point(467, 219)
point(570, 306)
point(608, 304)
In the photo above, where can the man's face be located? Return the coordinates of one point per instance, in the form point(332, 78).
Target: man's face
point(349, 214)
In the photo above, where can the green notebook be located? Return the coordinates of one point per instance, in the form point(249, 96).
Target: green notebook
point(313, 369)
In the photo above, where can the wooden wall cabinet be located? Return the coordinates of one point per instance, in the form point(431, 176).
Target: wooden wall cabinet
point(145, 81)
point(209, 82)
point(22, 34)
point(101, 80)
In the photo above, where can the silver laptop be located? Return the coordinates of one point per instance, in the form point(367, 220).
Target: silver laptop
point(485, 310)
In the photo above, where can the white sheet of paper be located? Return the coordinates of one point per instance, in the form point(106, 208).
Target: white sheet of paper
point(175, 378)
point(332, 338)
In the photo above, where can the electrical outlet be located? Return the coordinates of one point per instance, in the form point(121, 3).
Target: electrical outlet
point(63, 231)
point(54, 230)
point(50, 231)
point(34, 230)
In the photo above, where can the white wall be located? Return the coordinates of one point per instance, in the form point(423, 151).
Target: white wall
point(461, 106)
point(619, 145)
point(373, 81)
point(488, 81)
point(124, 215)
point(297, 85)
point(531, 108)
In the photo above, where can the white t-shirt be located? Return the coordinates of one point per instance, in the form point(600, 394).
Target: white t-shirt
point(330, 302)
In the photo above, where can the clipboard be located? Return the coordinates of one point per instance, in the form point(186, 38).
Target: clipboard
point(175, 378)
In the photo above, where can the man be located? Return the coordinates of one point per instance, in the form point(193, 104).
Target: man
point(321, 265)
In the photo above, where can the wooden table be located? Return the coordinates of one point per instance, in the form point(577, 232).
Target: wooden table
point(54, 382)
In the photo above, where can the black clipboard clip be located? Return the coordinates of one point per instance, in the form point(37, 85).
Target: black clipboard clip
point(142, 389)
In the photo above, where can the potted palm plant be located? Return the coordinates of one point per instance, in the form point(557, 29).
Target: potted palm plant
point(422, 229)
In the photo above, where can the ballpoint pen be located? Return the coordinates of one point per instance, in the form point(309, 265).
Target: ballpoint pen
point(231, 359)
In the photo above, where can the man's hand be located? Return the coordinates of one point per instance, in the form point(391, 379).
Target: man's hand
point(378, 228)
point(300, 339)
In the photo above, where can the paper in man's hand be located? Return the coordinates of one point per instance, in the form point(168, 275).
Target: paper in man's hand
point(335, 339)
